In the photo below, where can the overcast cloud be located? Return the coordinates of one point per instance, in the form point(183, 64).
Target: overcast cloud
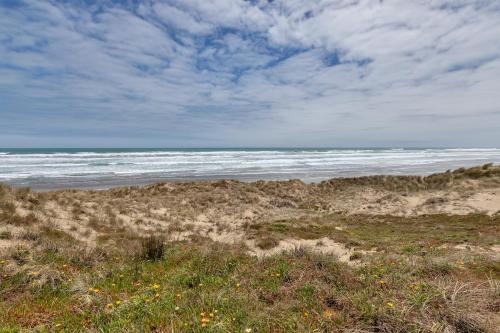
point(222, 73)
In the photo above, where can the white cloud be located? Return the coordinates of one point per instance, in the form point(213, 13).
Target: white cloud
point(336, 72)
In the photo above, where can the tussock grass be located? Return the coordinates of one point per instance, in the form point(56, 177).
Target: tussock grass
point(205, 286)
point(152, 248)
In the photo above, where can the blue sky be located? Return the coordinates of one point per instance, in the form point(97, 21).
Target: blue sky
point(225, 73)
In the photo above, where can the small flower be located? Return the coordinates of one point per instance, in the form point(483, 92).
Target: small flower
point(64, 266)
point(381, 282)
point(248, 330)
point(177, 308)
point(238, 285)
point(200, 284)
point(328, 314)
point(211, 314)
point(109, 305)
point(118, 302)
point(306, 314)
point(390, 305)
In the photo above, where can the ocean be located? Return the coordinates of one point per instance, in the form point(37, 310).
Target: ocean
point(43, 169)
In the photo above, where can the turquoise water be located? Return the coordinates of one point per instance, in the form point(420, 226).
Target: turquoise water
point(44, 168)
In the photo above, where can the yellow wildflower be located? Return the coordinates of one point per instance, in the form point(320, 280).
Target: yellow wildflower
point(328, 314)
point(118, 302)
point(109, 305)
point(390, 305)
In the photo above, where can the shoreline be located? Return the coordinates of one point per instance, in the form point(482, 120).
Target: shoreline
point(46, 170)
point(117, 181)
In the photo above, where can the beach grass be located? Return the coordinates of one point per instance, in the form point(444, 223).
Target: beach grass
point(414, 284)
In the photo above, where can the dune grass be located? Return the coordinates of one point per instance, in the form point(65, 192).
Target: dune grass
point(203, 286)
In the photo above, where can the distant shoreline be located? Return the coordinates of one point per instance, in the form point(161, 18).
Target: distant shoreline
point(46, 169)
point(112, 182)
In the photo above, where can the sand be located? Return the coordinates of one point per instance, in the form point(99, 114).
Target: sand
point(224, 211)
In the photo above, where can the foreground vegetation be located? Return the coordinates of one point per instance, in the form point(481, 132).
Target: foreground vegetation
point(201, 286)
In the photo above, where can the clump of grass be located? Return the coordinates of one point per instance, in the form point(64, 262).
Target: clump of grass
point(8, 209)
point(267, 243)
point(30, 235)
point(152, 248)
point(356, 256)
point(5, 234)
point(20, 255)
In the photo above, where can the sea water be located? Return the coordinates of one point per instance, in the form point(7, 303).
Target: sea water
point(102, 168)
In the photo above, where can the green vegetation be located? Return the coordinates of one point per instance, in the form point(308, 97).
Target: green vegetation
point(203, 286)
point(394, 233)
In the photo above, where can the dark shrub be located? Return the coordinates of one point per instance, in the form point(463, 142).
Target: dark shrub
point(153, 248)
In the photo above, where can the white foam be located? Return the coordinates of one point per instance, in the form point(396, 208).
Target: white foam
point(266, 164)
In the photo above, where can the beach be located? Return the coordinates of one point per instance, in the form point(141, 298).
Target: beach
point(93, 168)
point(314, 251)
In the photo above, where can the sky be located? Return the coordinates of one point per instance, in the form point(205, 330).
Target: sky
point(261, 73)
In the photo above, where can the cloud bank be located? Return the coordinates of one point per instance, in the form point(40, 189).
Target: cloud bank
point(184, 73)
